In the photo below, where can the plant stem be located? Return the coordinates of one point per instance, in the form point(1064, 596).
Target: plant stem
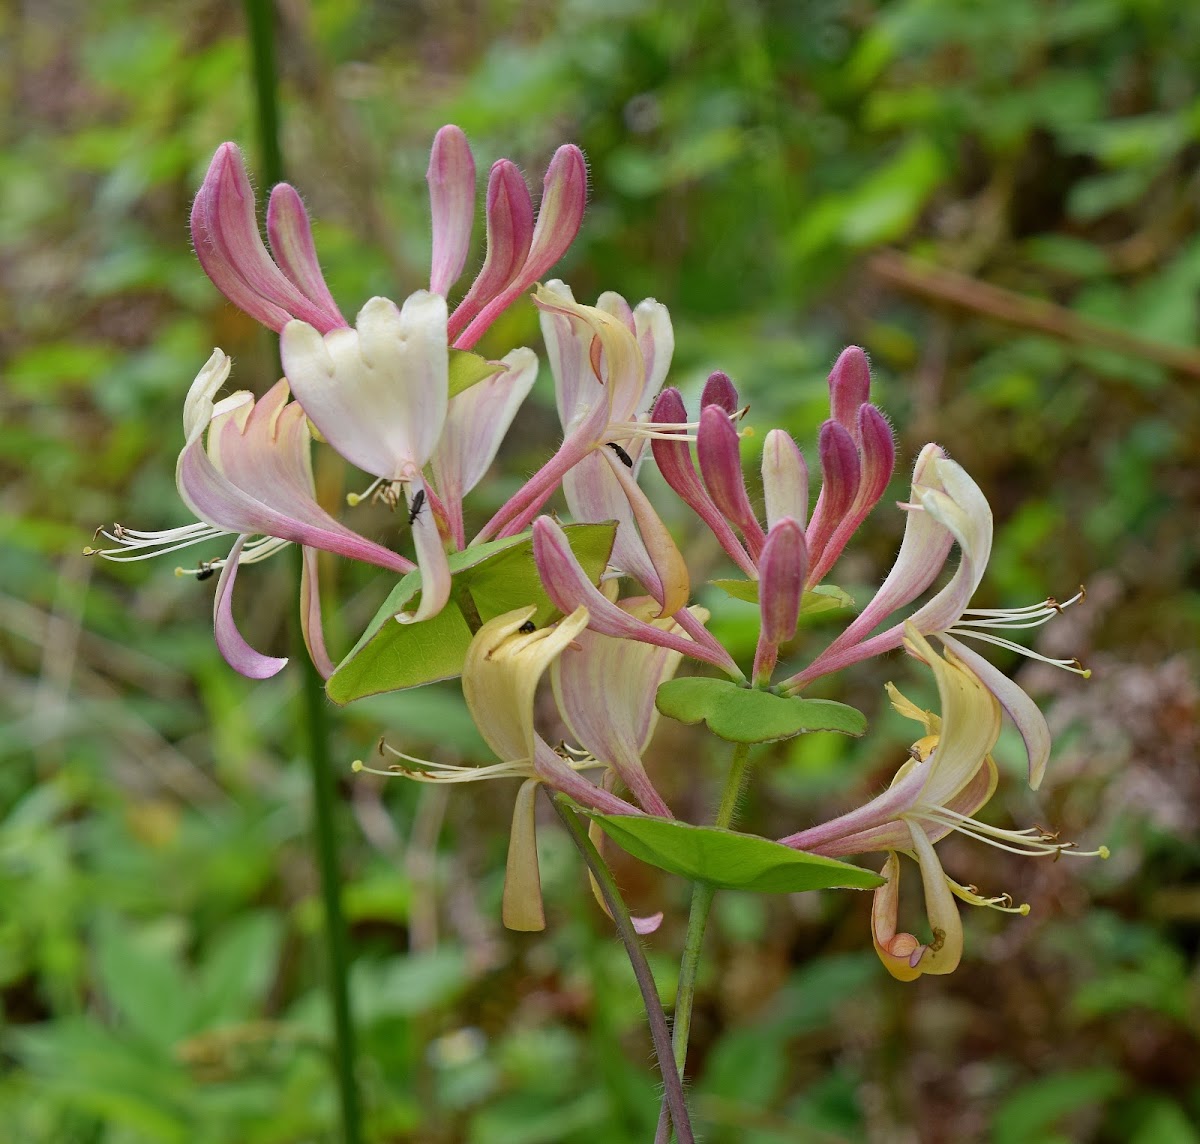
point(702, 899)
point(260, 20)
point(659, 1032)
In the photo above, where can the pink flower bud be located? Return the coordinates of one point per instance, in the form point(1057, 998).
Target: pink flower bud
point(509, 232)
point(451, 179)
point(674, 460)
point(719, 390)
point(560, 214)
point(231, 250)
point(718, 447)
point(781, 571)
point(840, 473)
point(849, 387)
point(292, 244)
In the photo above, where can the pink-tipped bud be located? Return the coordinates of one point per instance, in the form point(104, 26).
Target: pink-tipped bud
point(877, 458)
point(509, 232)
point(719, 449)
point(781, 572)
point(849, 387)
point(785, 479)
point(840, 472)
point(451, 179)
point(674, 460)
point(719, 390)
point(232, 253)
point(291, 238)
point(560, 214)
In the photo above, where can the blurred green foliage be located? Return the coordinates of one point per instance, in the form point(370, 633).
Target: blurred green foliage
point(159, 973)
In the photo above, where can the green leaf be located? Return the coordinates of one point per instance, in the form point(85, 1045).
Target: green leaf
point(468, 369)
point(746, 715)
point(816, 601)
point(500, 576)
point(729, 860)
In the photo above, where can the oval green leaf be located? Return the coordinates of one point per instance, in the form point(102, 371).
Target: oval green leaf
point(729, 860)
point(746, 715)
point(499, 575)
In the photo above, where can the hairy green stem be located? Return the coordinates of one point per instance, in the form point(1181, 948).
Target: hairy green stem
point(673, 1100)
point(260, 21)
point(702, 899)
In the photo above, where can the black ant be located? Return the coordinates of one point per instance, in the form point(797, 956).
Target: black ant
point(418, 503)
point(626, 459)
point(206, 571)
point(527, 627)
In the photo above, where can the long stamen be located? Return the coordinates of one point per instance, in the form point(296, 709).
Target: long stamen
point(147, 546)
point(1003, 903)
point(1032, 842)
point(1072, 665)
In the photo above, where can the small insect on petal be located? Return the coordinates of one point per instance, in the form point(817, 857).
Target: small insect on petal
point(418, 503)
point(527, 628)
point(206, 571)
point(626, 459)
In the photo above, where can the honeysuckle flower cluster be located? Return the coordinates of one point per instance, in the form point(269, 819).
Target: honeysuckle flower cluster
point(401, 396)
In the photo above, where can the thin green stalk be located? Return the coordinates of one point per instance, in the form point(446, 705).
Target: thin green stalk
point(260, 19)
point(702, 899)
point(659, 1033)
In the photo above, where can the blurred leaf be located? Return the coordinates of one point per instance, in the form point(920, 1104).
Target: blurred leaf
point(729, 860)
point(1034, 1109)
point(747, 715)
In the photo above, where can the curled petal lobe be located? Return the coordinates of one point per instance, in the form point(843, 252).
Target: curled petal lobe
point(377, 393)
point(1025, 714)
point(944, 951)
point(785, 479)
point(236, 651)
point(311, 627)
point(896, 950)
point(451, 180)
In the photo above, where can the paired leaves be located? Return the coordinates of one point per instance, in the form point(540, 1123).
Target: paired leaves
point(729, 860)
point(499, 576)
point(744, 715)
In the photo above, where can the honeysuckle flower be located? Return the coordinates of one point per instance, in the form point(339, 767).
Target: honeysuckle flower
point(569, 587)
point(503, 667)
point(246, 471)
point(225, 235)
point(949, 776)
point(947, 507)
point(379, 395)
point(604, 359)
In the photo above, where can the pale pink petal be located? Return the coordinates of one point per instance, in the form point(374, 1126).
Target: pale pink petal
point(236, 651)
point(509, 214)
point(377, 393)
point(1025, 714)
point(785, 479)
point(569, 587)
point(451, 180)
point(613, 303)
point(718, 448)
point(568, 343)
point(311, 626)
point(292, 244)
point(656, 341)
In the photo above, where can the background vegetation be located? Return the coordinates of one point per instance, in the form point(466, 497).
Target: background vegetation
point(999, 201)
